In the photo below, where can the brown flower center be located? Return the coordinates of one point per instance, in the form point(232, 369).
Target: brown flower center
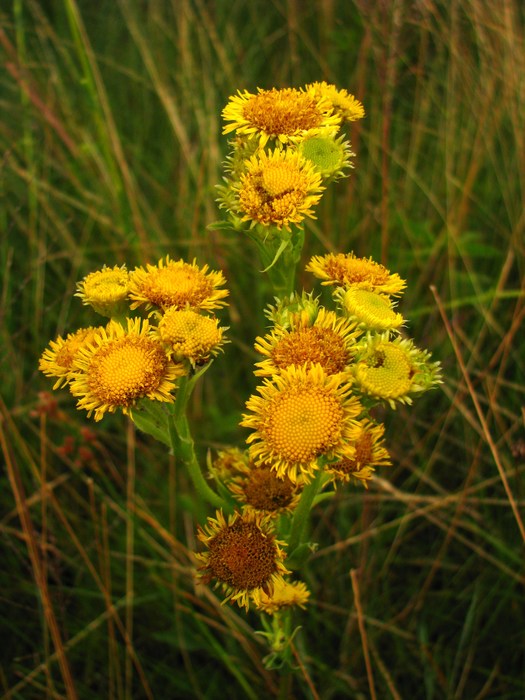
point(264, 490)
point(363, 455)
point(313, 344)
point(242, 556)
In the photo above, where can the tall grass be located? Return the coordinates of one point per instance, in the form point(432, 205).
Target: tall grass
point(110, 151)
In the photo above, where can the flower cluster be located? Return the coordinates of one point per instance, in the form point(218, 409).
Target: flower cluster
point(287, 146)
point(115, 366)
point(325, 369)
point(323, 372)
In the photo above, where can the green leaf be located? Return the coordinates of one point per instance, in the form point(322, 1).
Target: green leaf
point(151, 417)
point(282, 247)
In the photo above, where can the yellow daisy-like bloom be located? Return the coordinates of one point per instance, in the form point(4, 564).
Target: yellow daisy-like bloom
point(369, 453)
point(228, 463)
point(391, 370)
point(288, 594)
point(302, 414)
point(262, 489)
point(372, 311)
point(243, 556)
point(177, 283)
point(329, 154)
point(351, 271)
point(328, 341)
point(190, 335)
point(121, 366)
point(106, 290)
point(343, 103)
point(278, 189)
point(277, 114)
point(57, 359)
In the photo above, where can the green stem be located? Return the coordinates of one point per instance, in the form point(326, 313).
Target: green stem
point(302, 511)
point(183, 446)
point(281, 267)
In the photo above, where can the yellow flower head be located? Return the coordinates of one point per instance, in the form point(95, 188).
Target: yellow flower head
point(177, 283)
point(190, 335)
point(391, 370)
point(286, 594)
point(228, 463)
point(57, 359)
point(119, 367)
point(328, 341)
point(106, 290)
point(301, 415)
point(344, 104)
point(277, 114)
point(369, 453)
point(242, 556)
point(372, 311)
point(329, 154)
point(278, 189)
point(261, 489)
point(351, 271)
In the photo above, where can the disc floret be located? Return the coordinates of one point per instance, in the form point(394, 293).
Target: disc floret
point(392, 370)
point(278, 189)
point(121, 366)
point(299, 416)
point(57, 359)
point(347, 270)
point(242, 556)
point(106, 290)
point(328, 340)
point(177, 283)
point(277, 115)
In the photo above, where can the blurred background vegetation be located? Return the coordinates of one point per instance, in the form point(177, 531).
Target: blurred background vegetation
point(111, 148)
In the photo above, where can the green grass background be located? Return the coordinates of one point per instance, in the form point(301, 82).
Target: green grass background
point(111, 146)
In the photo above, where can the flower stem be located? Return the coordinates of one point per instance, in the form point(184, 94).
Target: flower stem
point(183, 446)
point(302, 511)
point(280, 264)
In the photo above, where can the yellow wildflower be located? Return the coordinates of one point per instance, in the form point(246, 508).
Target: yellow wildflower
point(277, 114)
point(327, 340)
point(369, 453)
point(262, 489)
point(329, 154)
point(243, 556)
point(286, 594)
point(302, 414)
point(391, 370)
point(351, 271)
point(278, 189)
point(119, 367)
point(344, 104)
point(190, 335)
point(228, 463)
point(177, 283)
point(106, 290)
point(372, 311)
point(57, 359)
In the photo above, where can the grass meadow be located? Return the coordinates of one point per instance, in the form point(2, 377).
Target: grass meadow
point(110, 151)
